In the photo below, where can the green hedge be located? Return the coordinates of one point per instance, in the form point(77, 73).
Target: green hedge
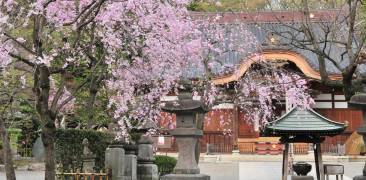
point(165, 164)
point(69, 148)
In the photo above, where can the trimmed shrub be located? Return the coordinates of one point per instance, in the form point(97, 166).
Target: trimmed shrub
point(165, 164)
point(69, 148)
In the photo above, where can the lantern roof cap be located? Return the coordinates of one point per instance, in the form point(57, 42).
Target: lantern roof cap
point(185, 104)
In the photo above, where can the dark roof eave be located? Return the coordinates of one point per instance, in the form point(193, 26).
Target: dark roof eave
point(270, 131)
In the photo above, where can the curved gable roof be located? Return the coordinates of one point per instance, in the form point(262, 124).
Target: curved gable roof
point(297, 59)
point(303, 122)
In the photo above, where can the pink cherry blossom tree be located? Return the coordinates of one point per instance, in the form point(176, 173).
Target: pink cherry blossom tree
point(144, 43)
point(146, 46)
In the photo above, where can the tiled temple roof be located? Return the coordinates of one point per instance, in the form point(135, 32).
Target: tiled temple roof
point(263, 24)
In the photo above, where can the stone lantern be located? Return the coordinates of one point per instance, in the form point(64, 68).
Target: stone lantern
point(187, 134)
point(359, 101)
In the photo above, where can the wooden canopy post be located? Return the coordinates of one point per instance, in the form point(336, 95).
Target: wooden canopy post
point(320, 159)
point(316, 162)
point(285, 162)
point(319, 162)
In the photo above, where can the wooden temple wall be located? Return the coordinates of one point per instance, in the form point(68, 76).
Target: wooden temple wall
point(352, 117)
point(218, 139)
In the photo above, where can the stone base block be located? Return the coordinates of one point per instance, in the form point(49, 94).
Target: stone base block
point(88, 165)
point(130, 167)
point(185, 177)
point(359, 178)
point(302, 178)
point(147, 172)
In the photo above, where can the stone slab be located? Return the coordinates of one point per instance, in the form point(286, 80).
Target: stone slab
point(333, 169)
point(88, 165)
point(115, 161)
point(147, 172)
point(185, 177)
point(130, 167)
point(359, 178)
point(302, 178)
point(38, 150)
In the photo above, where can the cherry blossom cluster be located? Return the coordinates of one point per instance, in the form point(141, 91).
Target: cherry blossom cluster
point(150, 43)
point(265, 87)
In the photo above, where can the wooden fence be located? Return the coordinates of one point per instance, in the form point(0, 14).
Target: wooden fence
point(214, 142)
point(247, 147)
point(217, 142)
point(301, 148)
point(25, 152)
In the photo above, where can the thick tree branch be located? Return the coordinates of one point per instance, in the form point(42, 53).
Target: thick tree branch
point(19, 43)
point(72, 96)
point(22, 59)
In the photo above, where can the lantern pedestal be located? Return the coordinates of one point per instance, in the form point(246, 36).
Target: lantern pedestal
point(187, 139)
point(188, 116)
point(186, 168)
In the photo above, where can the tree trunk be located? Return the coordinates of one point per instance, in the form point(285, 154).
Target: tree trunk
point(93, 91)
point(9, 165)
point(48, 132)
point(348, 88)
point(42, 90)
point(90, 105)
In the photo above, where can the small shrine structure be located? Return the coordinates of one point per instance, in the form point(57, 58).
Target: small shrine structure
point(303, 126)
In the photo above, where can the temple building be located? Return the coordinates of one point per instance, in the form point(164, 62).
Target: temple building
point(329, 102)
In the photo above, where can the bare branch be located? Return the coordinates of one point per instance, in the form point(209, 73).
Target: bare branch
point(80, 14)
point(67, 100)
point(58, 95)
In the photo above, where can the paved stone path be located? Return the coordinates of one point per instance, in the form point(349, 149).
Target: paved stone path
point(263, 170)
point(26, 175)
point(228, 171)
